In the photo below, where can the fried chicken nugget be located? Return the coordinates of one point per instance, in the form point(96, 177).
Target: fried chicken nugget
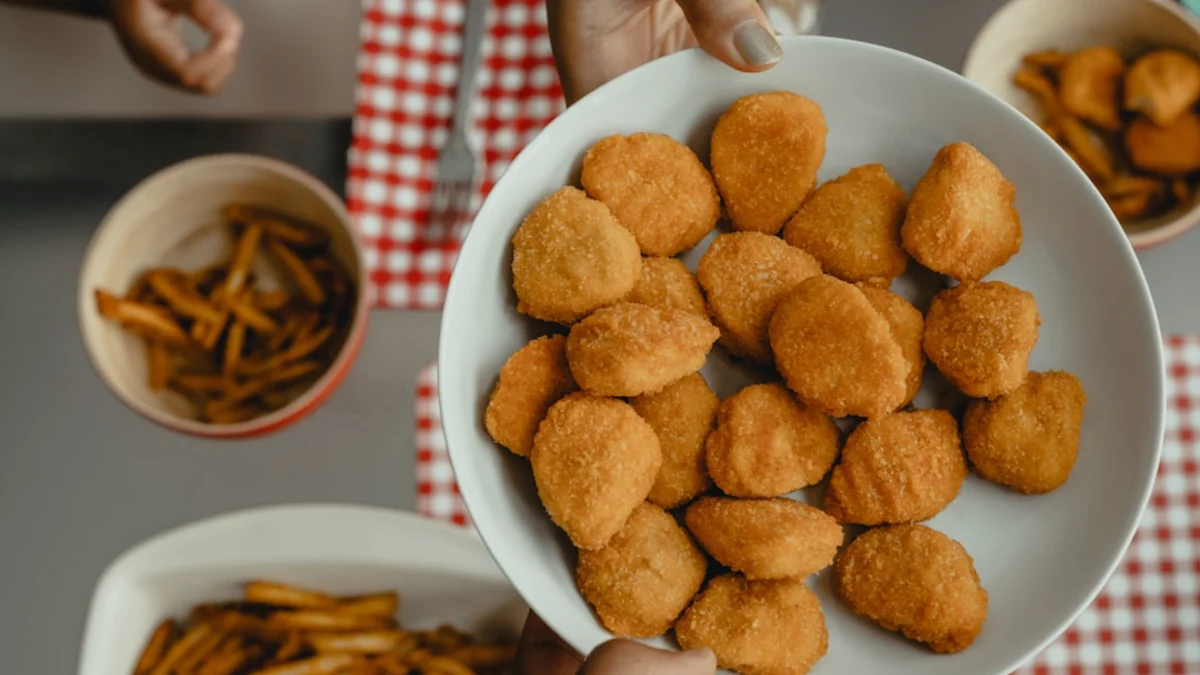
point(682, 415)
point(744, 276)
point(1088, 85)
point(908, 329)
point(570, 256)
point(656, 187)
point(899, 468)
point(757, 627)
point(765, 538)
point(766, 150)
point(594, 461)
point(666, 283)
point(1029, 439)
point(961, 220)
point(851, 225)
point(915, 580)
point(646, 575)
point(1162, 85)
point(767, 443)
point(532, 379)
point(836, 352)
point(630, 349)
point(980, 336)
point(1173, 149)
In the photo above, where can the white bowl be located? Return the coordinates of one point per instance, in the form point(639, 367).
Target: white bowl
point(173, 218)
point(1042, 559)
point(442, 571)
point(1129, 26)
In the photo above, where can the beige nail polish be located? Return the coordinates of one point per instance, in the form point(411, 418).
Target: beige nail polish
point(756, 43)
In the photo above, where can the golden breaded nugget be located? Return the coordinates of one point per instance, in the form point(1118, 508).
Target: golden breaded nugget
point(1173, 149)
point(851, 225)
point(961, 220)
point(836, 352)
point(594, 461)
point(908, 328)
point(570, 256)
point(1088, 85)
point(766, 150)
point(629, 349)
point(1029, 439)
point(915, 580)
point(899, 468)
point(757, 627)
point(775, 538)
point(682, 415)
point(980, 336)
point(646, 575)
point(656, 187)
point(767, 443)
point(744, 276)
point(1162, 85)
point(666, 283)
point(533, 378)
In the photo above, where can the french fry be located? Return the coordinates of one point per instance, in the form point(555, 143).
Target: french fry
point(1121, 186)
point(243, 258)
point(196, 383)
point(444, 665)
point(243, 308)
point(204, 649)
point(367, 642)
point(324, 664)
point(230, 661)
point(159, 365)
point(272, 301)
point(1093, 158)
point(1049, 58)
point(1181, 191)
point(156, 647)
point(170, 286)
point(319, 620)
point(291, 648)
point(181, 648)
point(279, 225)
point(377, 604)
point(145, 320)
point(310, 289)
point(235, 342)
point(1131, 206)
point(392, 664)
point(292, 371)
point(231, 414)
point(283, 595)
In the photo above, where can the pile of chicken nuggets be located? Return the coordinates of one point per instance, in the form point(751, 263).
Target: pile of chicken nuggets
point(1133, 128)
point(675, 499)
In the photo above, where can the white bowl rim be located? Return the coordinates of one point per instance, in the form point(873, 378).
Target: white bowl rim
point(1139, 240)
point(278, 418)
point(330, 514)
point(481, 516)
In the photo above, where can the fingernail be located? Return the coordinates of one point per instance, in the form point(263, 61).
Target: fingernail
point(756, 43)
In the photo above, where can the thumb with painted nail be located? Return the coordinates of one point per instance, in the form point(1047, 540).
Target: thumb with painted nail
point(735, 31)
point(626, 657)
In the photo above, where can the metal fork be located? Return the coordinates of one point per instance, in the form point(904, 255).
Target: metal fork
point(454, 185)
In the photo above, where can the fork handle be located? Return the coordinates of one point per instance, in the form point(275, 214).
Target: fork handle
point(464, 95)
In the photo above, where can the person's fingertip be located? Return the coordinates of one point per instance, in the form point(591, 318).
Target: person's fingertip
point(757, 44)
point(702, 659)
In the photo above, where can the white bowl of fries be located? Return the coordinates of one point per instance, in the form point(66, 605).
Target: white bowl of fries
point(1146, 165)
point(304, 590)
point(223, 296)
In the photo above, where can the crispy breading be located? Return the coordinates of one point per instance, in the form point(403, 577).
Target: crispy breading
point(532, 379)
point(666, 283)
point(682, 415)
point(908, 329)
point(656, 187)
point(1088, 84)
point(1162, 85)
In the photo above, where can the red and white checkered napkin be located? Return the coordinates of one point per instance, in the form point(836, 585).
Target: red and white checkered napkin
point(407, 70)
point(1146, 621)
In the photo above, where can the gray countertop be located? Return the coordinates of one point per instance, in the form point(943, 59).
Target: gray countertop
point(82, 478)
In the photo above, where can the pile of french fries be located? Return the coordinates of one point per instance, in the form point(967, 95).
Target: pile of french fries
point(277, 629)
point(235, 351)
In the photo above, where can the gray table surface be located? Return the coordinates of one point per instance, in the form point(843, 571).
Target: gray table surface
point(82, 478)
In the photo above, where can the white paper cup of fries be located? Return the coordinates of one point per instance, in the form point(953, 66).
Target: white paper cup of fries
point(224, 296)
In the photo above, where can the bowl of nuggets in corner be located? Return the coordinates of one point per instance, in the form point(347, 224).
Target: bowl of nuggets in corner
point(813, 385)
point(1117, 88)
